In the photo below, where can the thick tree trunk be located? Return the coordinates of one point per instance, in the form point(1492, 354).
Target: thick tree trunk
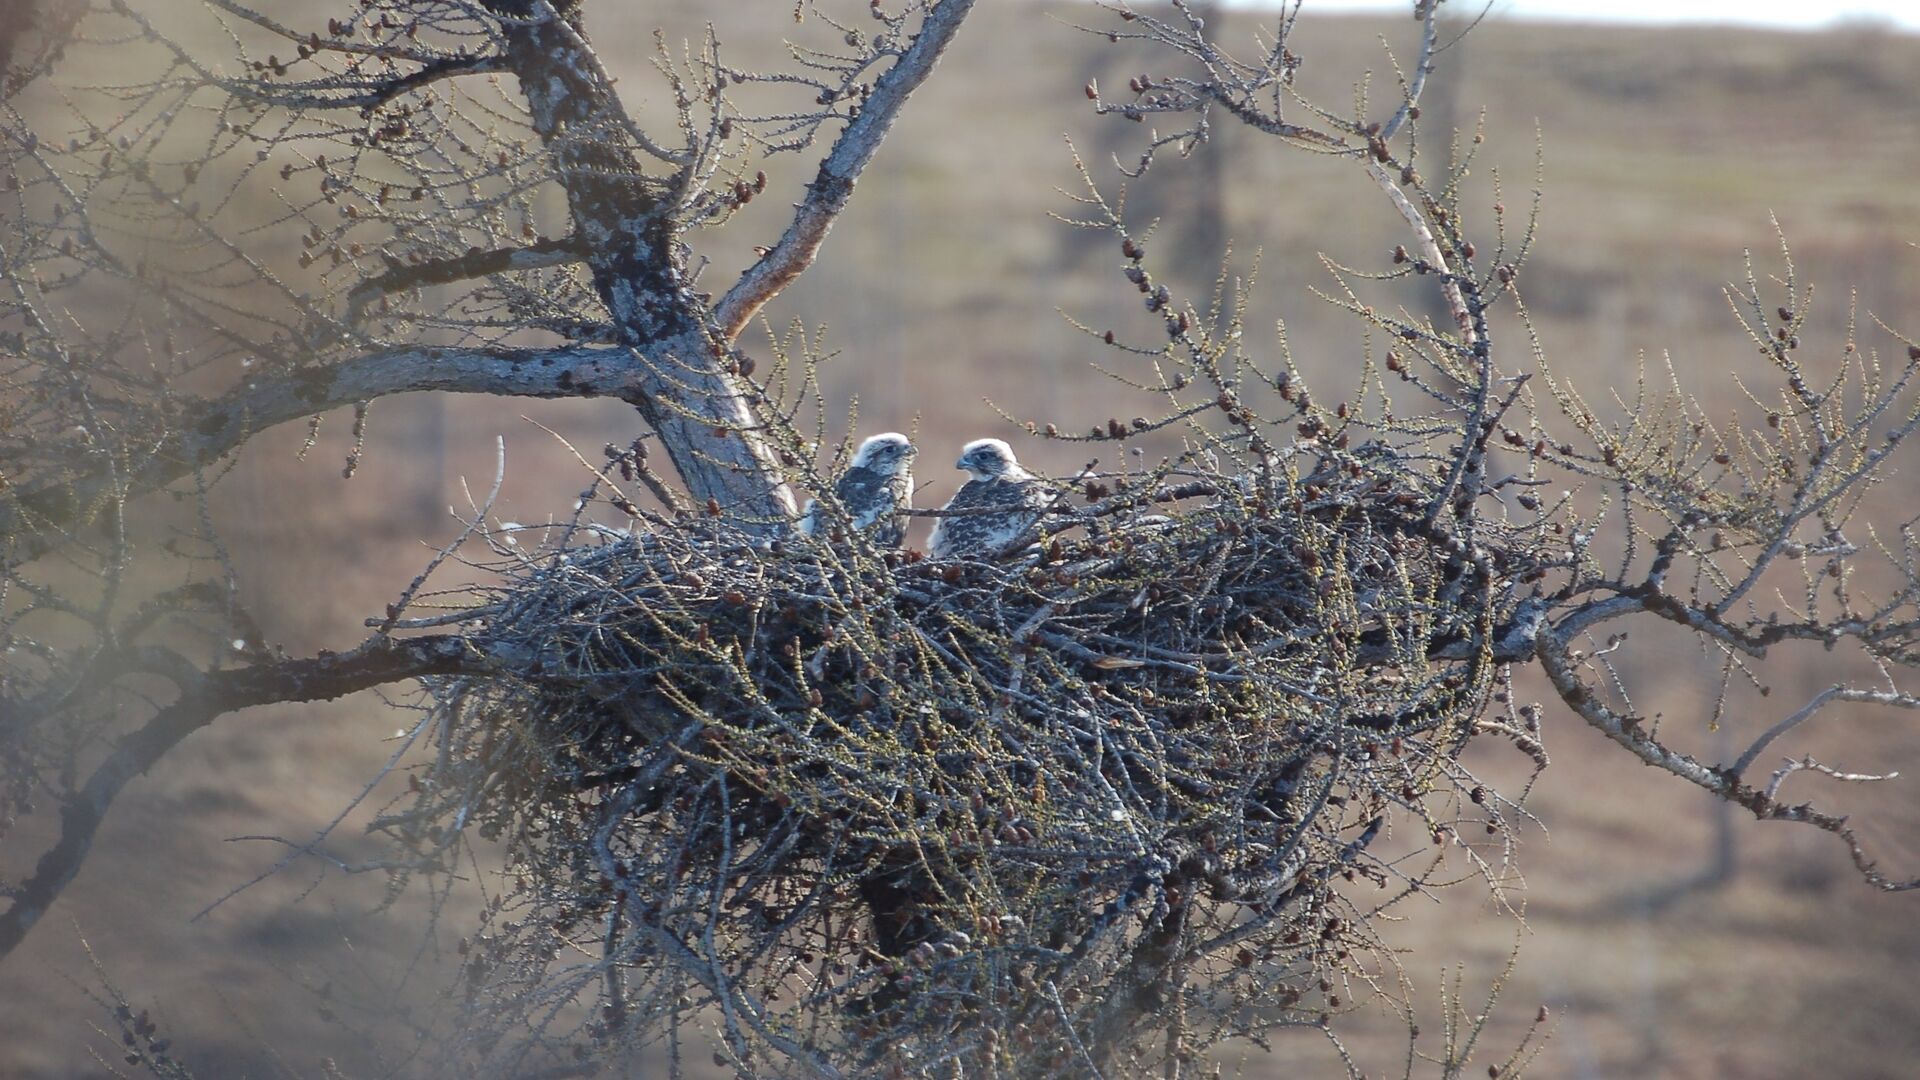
point(624, 224)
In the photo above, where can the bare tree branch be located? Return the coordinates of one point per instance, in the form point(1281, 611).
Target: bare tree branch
point(827, 195)
point(33, 518)
point(1562, 668)
point(474, 264)
point(427, 75)
point(1805, 712)
point(203, 699)
point(1429, 250)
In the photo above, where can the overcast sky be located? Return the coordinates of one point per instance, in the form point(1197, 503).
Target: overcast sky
point(1781, 13)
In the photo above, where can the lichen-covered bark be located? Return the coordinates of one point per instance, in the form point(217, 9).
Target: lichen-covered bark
point(625, 228)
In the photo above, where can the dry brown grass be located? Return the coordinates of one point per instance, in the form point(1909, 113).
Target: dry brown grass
point(1665, 152)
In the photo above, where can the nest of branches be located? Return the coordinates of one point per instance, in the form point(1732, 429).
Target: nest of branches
point(857, 809)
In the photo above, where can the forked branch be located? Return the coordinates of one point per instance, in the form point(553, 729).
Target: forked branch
point(1562, 667)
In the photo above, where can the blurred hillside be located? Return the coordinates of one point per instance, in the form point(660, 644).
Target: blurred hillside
point(1661, 155)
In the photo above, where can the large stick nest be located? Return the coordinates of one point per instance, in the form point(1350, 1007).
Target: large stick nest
point(862, 810)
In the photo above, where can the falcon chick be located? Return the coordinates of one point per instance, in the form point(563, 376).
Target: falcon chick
point(1000, 502)
point(876, 490)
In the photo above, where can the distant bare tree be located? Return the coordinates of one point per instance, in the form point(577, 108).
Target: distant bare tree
point(1091, 807)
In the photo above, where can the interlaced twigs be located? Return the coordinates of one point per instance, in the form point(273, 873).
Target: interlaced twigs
point(820, 741)
point(1736, 512)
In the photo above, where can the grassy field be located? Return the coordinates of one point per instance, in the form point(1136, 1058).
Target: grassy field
point(1662, 155)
